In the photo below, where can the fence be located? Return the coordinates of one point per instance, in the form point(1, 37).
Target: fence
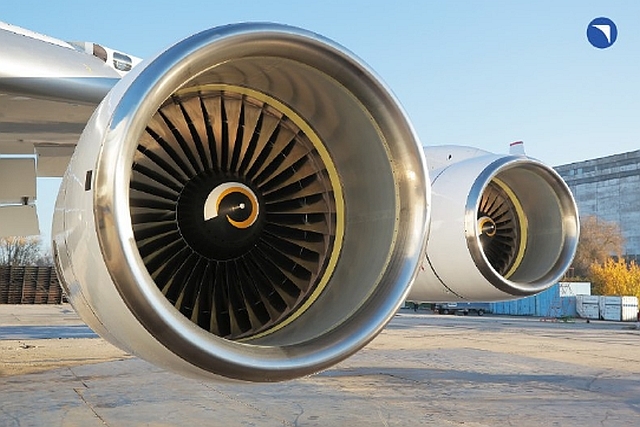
point(29, 285)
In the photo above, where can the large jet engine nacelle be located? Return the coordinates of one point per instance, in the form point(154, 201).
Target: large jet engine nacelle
point(503, 227)
point(251, 204)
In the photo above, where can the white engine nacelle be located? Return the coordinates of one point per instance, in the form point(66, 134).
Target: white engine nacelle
point(502, 227)
point(216, 218)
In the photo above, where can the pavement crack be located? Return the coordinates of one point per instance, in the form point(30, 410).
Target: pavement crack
point(295, 421)
point(16, 420)
point(80, 380)
point(90, 406)
point(251, 406)
point(385, 423)
point(595, 378)
point(85, 401)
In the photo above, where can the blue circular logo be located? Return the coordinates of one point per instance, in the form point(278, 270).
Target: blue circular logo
point(602, 32)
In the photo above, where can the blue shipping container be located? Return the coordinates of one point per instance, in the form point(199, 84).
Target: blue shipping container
point(545, 304)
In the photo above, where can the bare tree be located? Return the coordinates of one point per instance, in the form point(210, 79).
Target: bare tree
point(45, 259)
point(599, 240)
point(16, 251)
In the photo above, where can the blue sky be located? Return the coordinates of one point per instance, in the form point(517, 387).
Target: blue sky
point(481, 73)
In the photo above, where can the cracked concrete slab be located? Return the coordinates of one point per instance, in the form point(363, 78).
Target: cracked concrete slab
point(422, 370)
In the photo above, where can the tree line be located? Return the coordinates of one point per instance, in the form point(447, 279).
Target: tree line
point(23, 251)
point(600, 259)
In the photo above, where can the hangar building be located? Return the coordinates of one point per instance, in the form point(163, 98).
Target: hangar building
point(609, 188)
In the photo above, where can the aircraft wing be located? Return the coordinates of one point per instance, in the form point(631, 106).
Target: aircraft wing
point(48, 90)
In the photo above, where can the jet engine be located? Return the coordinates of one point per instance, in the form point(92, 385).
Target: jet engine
point(251, 204)
point(503, 227)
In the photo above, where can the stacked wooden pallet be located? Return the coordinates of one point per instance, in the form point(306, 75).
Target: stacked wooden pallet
point(29, 285)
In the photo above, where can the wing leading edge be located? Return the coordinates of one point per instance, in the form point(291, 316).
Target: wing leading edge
point(48, 90)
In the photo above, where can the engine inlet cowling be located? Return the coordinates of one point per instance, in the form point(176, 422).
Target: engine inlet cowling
point(216, 217)
point(503, 227)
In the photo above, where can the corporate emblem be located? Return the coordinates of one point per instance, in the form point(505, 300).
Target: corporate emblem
point(602, 33)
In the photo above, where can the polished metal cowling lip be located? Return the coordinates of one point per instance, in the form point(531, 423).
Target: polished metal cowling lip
point(136, 98)
point(557, 197)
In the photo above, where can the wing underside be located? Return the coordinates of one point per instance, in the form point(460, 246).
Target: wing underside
point(48, 91)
